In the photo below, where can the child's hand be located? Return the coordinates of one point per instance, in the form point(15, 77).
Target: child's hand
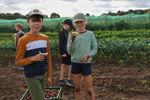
point(39, 57)
point(16, 35)
point(73, 35)
point(84, 58)
point(49, 81)
point(64, 55)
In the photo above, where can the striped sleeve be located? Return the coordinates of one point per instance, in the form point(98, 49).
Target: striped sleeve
point(20, 54)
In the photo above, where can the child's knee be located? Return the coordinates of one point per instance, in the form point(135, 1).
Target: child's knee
point(90, 92)
point(78, 89)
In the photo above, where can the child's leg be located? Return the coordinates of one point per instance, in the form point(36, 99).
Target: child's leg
point(69, 72)
point(89, 86)
point(62, 71)
point(69, 82)
point(77, 82)
point(35, 87)
point(87, 77)
point(43, 81)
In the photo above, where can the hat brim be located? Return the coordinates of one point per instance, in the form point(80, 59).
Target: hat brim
point(76, 20)
point(34, 14)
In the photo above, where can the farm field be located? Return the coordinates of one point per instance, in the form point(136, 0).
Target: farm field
point(120, 47)
point(120, 68)
point(110, 83)
point(120, 65)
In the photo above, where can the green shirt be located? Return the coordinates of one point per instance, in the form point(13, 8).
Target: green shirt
point(83, 43)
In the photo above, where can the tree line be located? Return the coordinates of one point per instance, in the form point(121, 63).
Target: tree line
point(11, 16)
point(119, 13)
point(55, 15)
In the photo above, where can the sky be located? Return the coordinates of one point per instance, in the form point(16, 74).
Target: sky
point(68, 8)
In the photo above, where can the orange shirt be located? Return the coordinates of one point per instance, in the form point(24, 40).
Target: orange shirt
point(29, 45)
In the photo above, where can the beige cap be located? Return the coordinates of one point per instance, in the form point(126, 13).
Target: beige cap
point(79, 17)
point(35, 12)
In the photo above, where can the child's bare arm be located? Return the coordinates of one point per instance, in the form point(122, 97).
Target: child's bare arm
point(49, 72)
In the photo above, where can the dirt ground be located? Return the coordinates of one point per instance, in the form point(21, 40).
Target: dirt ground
point(110, 83)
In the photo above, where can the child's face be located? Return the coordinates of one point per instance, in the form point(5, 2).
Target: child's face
point(80, 25)
point(35, 25)
point(66, 26)
point(17, 28)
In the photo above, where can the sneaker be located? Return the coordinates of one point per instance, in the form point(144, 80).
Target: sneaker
point(20, 68)
point(70, 83)
point(62, 82)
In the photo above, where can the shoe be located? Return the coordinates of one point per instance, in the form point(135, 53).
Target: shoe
point(62, 82)
point(70, 83)
point(20, 68)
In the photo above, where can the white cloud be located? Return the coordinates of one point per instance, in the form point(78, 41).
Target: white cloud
point(71, 7)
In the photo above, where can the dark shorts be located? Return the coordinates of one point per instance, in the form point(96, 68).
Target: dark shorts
point(84, 69)
point(66, 60)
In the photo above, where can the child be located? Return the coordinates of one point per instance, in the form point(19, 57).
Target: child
point(18, 35)
point(66, 59)
point(33, 53)
point(82, 47)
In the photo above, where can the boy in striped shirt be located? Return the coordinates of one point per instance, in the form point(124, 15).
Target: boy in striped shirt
point(33, 53)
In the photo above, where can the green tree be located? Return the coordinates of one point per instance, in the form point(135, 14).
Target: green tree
point(54, 15)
